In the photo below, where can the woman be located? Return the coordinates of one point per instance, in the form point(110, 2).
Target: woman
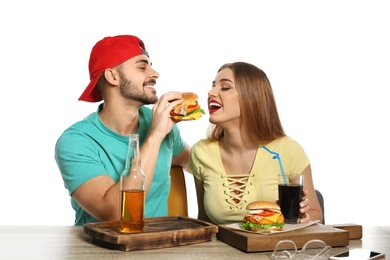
point(234, 166)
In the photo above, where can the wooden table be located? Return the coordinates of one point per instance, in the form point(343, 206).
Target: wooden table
point(69, 242)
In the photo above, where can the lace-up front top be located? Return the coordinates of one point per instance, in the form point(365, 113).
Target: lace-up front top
point(226, 196)
point(236, 190)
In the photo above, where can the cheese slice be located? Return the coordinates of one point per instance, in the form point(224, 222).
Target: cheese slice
point(274, 217)
point(196, 115)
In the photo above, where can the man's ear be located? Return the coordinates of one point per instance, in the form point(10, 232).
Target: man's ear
point(111, 76)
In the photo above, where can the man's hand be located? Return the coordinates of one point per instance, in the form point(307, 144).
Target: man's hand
point(161, 122)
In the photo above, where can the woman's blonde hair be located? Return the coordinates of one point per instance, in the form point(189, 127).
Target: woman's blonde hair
point(259, 114)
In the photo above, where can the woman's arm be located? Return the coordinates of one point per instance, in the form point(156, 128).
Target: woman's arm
point(310, 206)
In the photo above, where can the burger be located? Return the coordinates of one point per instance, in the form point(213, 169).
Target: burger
point(188, 110)
point(263, 215)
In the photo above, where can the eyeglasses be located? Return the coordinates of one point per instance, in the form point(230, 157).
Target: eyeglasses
point(312, 250)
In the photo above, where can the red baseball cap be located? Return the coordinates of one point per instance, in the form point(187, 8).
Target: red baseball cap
point(108, 53)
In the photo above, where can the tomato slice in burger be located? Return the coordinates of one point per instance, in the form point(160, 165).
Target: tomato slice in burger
point(195, 105)
point(266, 213)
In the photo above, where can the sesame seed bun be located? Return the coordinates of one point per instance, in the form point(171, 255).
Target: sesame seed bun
point(263, 205)
point(189, 98)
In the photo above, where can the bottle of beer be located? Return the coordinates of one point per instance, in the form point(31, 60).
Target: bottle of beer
point(132, 188)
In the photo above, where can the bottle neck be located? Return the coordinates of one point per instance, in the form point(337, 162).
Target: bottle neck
point(132, 178)
point(133, 153)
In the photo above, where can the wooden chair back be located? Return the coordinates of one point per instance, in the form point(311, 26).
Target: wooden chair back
point(177, 200)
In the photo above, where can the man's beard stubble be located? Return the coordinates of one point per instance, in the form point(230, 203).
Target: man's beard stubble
point(130, 90)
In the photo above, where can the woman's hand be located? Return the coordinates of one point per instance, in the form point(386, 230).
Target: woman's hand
point(304, 208)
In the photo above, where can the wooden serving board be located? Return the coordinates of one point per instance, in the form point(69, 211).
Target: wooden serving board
point(158, 232)
point(355, 231)
point(252, 242)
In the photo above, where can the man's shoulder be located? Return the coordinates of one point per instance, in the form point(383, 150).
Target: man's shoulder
point(80, 128)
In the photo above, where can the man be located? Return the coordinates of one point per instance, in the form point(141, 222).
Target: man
point(91, 154)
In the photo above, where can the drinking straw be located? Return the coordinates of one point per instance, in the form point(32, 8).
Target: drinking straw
point(277, 156)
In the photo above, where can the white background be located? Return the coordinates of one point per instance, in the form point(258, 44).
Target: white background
point(328, 63)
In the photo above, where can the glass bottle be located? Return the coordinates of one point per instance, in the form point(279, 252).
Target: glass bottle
point(132, 188)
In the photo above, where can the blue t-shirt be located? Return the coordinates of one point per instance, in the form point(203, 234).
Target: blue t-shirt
point(89, 149)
